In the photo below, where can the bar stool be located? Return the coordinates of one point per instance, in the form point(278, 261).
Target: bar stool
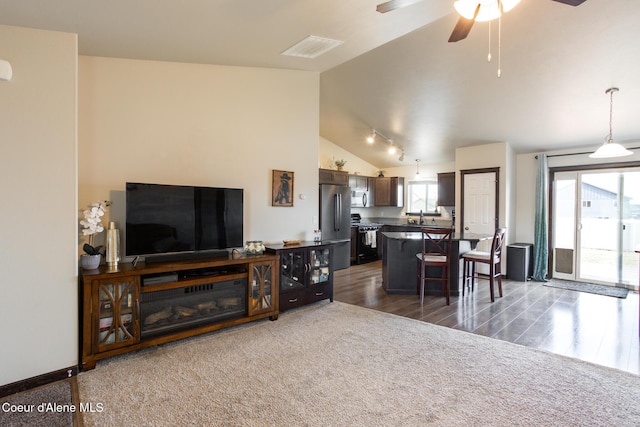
point(436, 244)
point(492, 258)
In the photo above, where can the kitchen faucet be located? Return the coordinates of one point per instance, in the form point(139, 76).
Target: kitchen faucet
point(421, 218)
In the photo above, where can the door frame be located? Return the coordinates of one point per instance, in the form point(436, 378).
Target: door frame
point(573, 168)
point(464, 172)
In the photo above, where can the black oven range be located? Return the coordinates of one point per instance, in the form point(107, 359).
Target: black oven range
point(368, 238)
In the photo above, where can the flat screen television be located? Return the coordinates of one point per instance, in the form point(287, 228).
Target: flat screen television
point(183, 221)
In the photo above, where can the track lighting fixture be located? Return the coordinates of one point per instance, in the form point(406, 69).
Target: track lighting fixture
point(372, 138)
point(393, 148)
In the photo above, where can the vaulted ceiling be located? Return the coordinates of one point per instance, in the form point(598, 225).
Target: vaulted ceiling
point(396, 72)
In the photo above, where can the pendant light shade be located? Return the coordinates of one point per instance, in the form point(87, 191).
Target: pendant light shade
point(6, 72)
point(609, 148)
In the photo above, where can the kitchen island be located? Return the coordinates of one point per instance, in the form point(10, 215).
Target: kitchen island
point(399, 262)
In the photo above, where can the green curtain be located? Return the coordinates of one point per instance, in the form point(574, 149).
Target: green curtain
point(541, 239)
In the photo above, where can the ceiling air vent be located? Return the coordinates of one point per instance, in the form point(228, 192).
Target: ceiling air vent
point(311, 47)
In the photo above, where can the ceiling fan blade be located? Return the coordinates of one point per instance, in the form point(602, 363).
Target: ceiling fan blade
point(461, 30)
point(463, 27)
point(394, 4)
point(571, 2)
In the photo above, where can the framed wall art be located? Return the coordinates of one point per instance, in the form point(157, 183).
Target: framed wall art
point(282, 188)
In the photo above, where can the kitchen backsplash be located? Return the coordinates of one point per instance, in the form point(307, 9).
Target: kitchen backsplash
point(396, 216)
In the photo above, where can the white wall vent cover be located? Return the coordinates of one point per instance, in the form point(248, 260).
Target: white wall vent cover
point(311, 47)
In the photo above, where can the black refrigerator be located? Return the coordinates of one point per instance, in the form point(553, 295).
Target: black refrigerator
point(335, 222)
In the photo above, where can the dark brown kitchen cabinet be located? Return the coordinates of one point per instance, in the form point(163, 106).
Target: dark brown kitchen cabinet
point(447, 189)
point(358, 182)
point(330, 176)
point(389, 191)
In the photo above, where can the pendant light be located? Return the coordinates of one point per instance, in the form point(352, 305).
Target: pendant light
point(417, 168)
point(6, 72)
point(609, 148)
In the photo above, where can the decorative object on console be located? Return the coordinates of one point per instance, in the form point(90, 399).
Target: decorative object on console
point(254, 247)
point(340, 164)
point(282, 188)
point(291, 242)
point(90, 262)
point(92, 225)
point(112, 243)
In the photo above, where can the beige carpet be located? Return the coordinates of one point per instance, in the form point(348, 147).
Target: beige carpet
point(47, 405)
point(334, 364)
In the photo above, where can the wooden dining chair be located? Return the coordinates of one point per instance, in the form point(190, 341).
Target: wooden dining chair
point(493, 259)
point(436, 247)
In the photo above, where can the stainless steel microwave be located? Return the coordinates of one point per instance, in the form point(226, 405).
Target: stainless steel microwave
point(360, 198)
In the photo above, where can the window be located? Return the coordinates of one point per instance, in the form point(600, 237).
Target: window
point(422, 196)
point(586, 203)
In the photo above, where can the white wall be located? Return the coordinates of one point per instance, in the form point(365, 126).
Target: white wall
point(38, 302)
point(192, 124)
point(328, 153)
point(525, 207)
point(526, 171)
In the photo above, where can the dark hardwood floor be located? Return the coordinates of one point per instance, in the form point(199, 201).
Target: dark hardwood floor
point(594, 328)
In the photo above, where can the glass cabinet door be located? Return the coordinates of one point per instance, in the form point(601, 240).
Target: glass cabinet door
point(319, 265)
point(261, 282)
point(117, 314)
point(292, 268)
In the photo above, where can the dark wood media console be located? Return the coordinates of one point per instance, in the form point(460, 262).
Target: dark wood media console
point(133, 307)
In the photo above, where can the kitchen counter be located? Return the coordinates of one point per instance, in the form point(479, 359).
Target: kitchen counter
point(429, 221)
point(399, 265)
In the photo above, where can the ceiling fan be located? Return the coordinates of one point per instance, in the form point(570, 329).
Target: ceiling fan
point(470, 11)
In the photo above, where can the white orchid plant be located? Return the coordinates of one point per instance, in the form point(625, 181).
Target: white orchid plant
point(92, 225)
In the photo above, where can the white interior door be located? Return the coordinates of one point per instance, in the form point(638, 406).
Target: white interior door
point(480, 205)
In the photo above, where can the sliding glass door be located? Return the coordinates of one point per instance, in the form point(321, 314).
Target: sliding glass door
point(597, 226)
point(564, 225)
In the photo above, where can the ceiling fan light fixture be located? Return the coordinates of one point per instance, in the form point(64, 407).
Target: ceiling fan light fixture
point(610, 149)
point(489, 9)
point(6, 72)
